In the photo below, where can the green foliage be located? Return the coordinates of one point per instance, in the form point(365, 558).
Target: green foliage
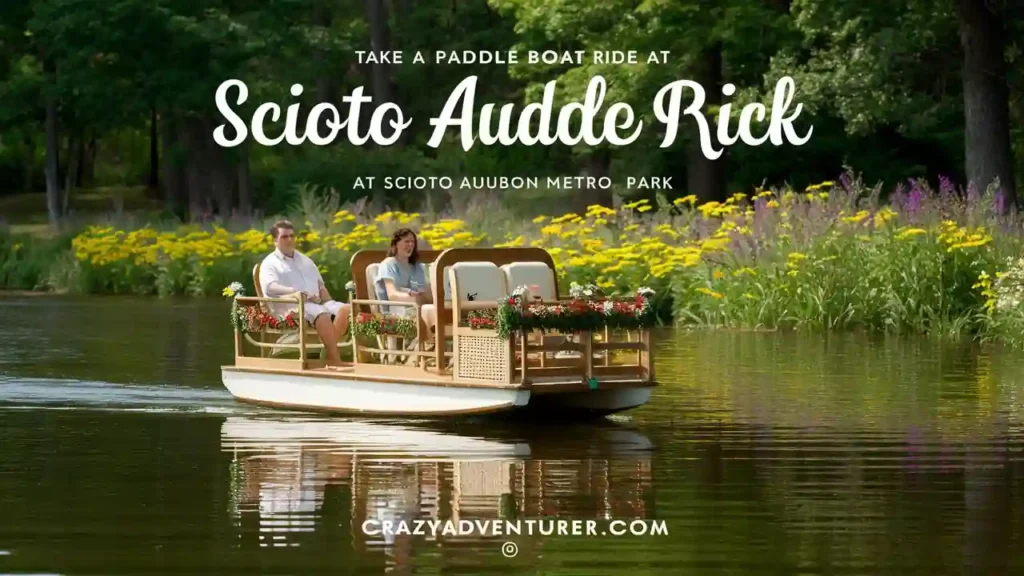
point(374, 325)
point(886, 282)
point(25, 261)
point(516, 314)
point(337, 169)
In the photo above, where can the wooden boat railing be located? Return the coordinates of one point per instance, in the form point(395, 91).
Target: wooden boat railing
point(478, 355)
point(303, 362)
point(417, 353)
point(517, 360)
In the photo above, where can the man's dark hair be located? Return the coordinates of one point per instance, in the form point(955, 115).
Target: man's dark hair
point(278, 226)
point(397, 237)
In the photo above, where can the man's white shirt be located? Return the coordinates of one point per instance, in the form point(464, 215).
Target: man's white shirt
point(298, 272)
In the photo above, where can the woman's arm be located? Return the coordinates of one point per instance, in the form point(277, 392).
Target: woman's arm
point(396, 294)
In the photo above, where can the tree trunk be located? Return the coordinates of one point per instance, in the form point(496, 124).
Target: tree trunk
point(88, 164)
point(196, 169)
point(154, 152)
point(52, 164)
point(80, 163)
point(174, 175)
point(222, 173)
point(29, 161)
point(383, 92)
point(704, 177)
point(986, 100)
point(244, 181)
point(376, 14)
point(326, 83)
point(75, 152)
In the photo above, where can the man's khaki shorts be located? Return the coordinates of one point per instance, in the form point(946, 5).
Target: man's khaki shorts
point(313, 310)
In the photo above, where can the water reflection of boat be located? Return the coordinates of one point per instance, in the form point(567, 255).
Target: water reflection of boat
point(285, 472)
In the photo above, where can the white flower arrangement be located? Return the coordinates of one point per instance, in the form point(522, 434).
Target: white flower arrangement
point(234, 290)
point(645, 291)
point(583, 291)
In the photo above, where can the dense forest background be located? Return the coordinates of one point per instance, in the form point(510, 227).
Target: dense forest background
point(120, 93)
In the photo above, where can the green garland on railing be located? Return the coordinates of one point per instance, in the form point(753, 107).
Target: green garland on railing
point(580, 314)
point(247, 319)
point(373, 325)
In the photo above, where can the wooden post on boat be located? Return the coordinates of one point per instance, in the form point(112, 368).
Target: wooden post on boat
point(607, 361)
point(512, 358)
point(645, 354)
point(302, 332)
point(352, 329)
point(238, 345)
point(587, 351)
point(524, 340)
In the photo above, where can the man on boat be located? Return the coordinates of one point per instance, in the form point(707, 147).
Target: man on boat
point(286, 272)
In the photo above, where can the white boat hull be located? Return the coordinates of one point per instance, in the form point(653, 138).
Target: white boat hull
point(598, 402)
point(344, 393)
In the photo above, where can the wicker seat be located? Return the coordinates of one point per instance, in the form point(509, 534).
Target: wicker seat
point(478, 356)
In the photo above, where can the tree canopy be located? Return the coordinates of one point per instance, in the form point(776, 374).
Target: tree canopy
point(121, 92)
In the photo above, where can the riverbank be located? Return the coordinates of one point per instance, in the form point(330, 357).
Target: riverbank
point(831, 257)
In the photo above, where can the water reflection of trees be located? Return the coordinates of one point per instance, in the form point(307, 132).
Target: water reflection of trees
point(843, 382)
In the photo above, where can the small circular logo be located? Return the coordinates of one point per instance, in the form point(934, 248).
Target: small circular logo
point(509, 549)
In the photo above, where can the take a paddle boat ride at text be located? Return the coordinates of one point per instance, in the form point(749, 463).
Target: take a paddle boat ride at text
point(504, 339)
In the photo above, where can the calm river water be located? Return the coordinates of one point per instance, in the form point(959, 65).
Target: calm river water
point(121, 453)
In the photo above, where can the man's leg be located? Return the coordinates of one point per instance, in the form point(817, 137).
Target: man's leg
point(325, 330)
point(341, 320)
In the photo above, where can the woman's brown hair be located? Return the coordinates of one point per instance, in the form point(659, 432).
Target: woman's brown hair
point(397, 237)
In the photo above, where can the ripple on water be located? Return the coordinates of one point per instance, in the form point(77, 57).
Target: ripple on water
point(763, 454)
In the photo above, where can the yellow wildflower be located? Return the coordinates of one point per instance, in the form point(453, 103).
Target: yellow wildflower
point(710, 292)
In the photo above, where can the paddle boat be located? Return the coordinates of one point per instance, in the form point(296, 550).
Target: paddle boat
point(505, 339)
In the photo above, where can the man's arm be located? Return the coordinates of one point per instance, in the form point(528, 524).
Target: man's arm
point(325, 296)
point(274, 288)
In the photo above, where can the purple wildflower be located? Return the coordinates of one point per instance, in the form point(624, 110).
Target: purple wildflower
point(946, 187)
point(845, 182)
point(914, 199)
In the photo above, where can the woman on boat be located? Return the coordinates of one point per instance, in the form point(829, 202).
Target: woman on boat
point(401, 277)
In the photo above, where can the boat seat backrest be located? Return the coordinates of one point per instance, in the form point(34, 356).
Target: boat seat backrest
point(371, 284)
point(431, 267)
point(479, 281)
point(264, 306)
point(530, 274)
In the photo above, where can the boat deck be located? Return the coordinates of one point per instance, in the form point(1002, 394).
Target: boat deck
point(430, 377)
